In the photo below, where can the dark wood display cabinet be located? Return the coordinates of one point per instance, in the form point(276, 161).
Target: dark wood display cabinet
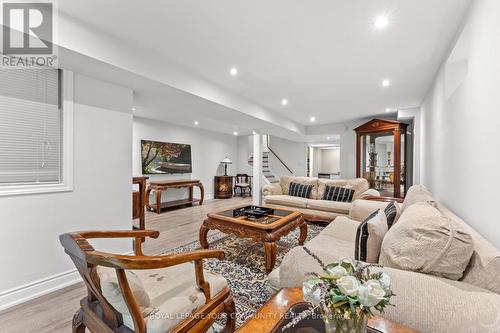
point(381, 158)
point(223, 187)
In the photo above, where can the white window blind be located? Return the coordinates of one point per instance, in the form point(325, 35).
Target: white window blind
point(30, 127)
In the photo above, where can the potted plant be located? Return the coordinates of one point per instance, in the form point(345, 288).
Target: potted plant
point(345, 295)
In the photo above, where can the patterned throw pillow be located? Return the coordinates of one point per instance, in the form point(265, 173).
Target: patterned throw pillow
point(300, 190)
point(369, 237)
point(336, 193)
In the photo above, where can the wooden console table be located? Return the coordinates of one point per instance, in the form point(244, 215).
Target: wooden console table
point(139, 202)
point(160, 186)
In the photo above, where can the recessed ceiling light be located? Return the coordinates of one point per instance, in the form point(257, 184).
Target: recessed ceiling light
point(312, 119)
point(387, 110)
point(328, 138)
point(381, 22)
point(133, 108)
point(235, 133)
point(253, 132)
point(196, 122)
point(233, 71)
point(284, 102)
point(386, 82)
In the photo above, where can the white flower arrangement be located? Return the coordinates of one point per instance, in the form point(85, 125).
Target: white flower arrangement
point(347, 290)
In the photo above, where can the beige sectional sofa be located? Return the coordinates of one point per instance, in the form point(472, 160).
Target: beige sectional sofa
point(276, 196)
point(425, 302)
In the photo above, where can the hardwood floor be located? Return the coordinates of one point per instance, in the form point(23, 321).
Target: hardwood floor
point(52, 313)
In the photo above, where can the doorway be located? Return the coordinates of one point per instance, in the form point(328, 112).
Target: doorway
point(323, 161)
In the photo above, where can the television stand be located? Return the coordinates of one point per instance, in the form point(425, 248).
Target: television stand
point(164, 185)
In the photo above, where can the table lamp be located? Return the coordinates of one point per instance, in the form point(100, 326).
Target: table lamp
point(226, 161)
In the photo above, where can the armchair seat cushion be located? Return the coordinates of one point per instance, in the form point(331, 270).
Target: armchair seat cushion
point(242, 185)
point(173, 293)
point(286, 200)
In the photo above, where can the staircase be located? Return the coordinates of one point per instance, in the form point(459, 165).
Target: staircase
point(266, 171)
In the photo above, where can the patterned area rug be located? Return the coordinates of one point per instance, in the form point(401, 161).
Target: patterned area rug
point(244, 266)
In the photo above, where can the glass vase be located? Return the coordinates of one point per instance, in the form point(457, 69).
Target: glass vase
point(335, 323)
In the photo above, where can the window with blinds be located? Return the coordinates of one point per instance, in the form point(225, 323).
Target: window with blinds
point(30, 127)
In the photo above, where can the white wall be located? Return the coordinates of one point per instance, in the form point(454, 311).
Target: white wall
point(207, 150)
point(414, 115)
point(317, 161)
point(292, 153)
point(330, 160)
point(33, 261)
point(460, 125)
point(244, 150)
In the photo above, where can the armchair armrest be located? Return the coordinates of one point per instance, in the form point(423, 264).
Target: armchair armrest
point(119, 234)
point(120, 261)
point(272, 189)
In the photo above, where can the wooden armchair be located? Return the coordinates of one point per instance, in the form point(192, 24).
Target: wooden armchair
point(99, 315)
point(243, 182)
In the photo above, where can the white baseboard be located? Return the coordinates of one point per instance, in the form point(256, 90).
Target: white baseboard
point(24, 293)
point(27, 292)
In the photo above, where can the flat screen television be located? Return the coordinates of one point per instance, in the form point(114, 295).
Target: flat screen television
point(165, 157)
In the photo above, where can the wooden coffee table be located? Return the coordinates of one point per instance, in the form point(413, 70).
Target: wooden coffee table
point(271, 317)
point(267, 231)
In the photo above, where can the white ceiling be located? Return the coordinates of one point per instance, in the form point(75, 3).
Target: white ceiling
point(323, 56)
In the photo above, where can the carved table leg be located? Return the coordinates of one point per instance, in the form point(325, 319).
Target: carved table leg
point(203, 236)
point(202, 193)
point(303, 232)
point(270, 250)
point(146, 200)
point(158, 201)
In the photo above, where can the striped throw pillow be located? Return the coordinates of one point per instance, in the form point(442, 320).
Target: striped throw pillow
point(336, 193)
point(369, 237)
point(300, 190)
point(371, 233)
point(392, 213)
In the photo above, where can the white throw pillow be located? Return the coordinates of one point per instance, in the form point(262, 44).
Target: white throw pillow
point(426, 241)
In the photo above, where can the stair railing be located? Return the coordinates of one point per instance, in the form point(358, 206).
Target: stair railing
point(275, 155)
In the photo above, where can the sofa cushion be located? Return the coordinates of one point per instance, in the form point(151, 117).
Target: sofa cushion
point(297, 263)
point(174, 295)
point(431, 304)
point(484, 265)
point(286, 200)
point(329, 206)
point(359, 185)
point(300, 190)
point(286, 180)
point(369, 237)
point(337, 193)
point(424, 240)
point(423, 302)
point(416, 193)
